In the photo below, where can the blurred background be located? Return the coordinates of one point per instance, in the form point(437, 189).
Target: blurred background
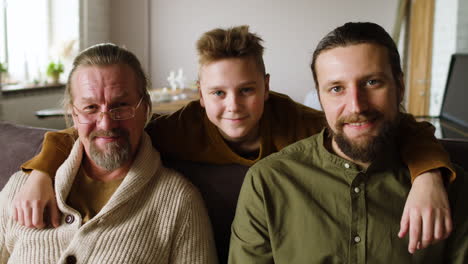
point(39, 39)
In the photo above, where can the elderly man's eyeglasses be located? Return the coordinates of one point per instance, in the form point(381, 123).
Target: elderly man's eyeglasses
point(91, 114)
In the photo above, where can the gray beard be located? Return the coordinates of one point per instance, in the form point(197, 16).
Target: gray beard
point(113, 157)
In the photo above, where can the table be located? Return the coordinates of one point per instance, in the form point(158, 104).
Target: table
point(167, 102)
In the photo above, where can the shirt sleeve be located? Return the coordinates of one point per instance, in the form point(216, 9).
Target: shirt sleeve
point(194, 241)
point(250, 242)
point(421, 151)
point(55, 149)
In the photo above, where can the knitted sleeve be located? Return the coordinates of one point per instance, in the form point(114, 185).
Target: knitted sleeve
point(55, 149)
point(194, 242)
point(420, 150)
point(6, 198)
point(4, 255)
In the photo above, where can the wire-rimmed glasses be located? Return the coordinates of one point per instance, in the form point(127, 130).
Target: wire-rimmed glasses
point(93, 115)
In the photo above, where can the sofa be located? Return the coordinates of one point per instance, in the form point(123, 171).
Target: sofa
point(218, 184)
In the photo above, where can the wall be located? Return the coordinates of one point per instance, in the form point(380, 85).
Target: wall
point(130, 27)
point(290, 29)
point(95, 17)
point(444, 45)
point(450, 36)
point(462, 27)
point(123, 22)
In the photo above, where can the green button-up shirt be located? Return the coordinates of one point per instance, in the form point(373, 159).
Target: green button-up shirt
point(307, 205)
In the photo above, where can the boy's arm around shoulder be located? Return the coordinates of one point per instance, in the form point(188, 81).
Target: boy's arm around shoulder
point(55, 150)
point(421, 151)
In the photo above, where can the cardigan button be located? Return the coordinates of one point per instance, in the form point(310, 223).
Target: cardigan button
point(70, 259)
point(69, 219)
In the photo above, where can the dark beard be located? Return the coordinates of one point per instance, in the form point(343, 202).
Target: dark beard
point(116, 153)
point(366, 151)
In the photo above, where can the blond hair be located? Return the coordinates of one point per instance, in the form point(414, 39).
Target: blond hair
point(106, 54)
point(234, 42)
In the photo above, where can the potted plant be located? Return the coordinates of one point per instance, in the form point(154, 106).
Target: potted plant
point(54, 69)
point(3, 69)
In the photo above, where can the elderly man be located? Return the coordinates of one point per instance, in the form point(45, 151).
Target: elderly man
point(120, 205)
point(337, 197)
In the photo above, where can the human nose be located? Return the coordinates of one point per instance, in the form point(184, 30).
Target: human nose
point(233, 103)
point(104, 121)
point(357, 99)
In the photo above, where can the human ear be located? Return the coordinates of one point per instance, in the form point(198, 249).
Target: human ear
point(267, 86)
point(202, 103)
point(401, 89)
point(70, 117)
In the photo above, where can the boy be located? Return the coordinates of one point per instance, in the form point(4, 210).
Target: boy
point(237, 120)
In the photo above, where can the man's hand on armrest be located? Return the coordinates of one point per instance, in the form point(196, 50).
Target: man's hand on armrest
point(427, 212)
point(34, 197)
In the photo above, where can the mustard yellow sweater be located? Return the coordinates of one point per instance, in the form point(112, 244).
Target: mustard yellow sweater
point(189, 135)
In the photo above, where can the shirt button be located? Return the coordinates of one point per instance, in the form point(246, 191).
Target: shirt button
point(357, 239)
point(69, 219)
point(70, 259)
point(357, 190)
point(346, 165)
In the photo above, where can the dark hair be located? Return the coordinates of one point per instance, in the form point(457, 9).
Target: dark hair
point(353, 33)
point(234, 42)
point(108, 54)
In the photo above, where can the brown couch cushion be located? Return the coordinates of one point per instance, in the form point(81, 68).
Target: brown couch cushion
point(17, 145)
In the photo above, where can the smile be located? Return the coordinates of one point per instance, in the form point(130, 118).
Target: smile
point(236, 119)
point(358, 124)
point(106, 139)
point(361, 125)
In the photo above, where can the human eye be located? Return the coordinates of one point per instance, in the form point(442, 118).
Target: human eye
point(373, 82)
point(247, 90)
point(90, 109)
point(121, 104)
point(218, 93)
point(336, 89)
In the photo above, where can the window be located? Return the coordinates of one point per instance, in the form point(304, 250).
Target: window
point(36, 32)
point(3, 43)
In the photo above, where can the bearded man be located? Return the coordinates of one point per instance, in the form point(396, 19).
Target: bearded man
point(337, 197)
point(119, 203)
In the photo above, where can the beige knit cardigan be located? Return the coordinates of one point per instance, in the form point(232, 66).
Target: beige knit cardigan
point(155, 216)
